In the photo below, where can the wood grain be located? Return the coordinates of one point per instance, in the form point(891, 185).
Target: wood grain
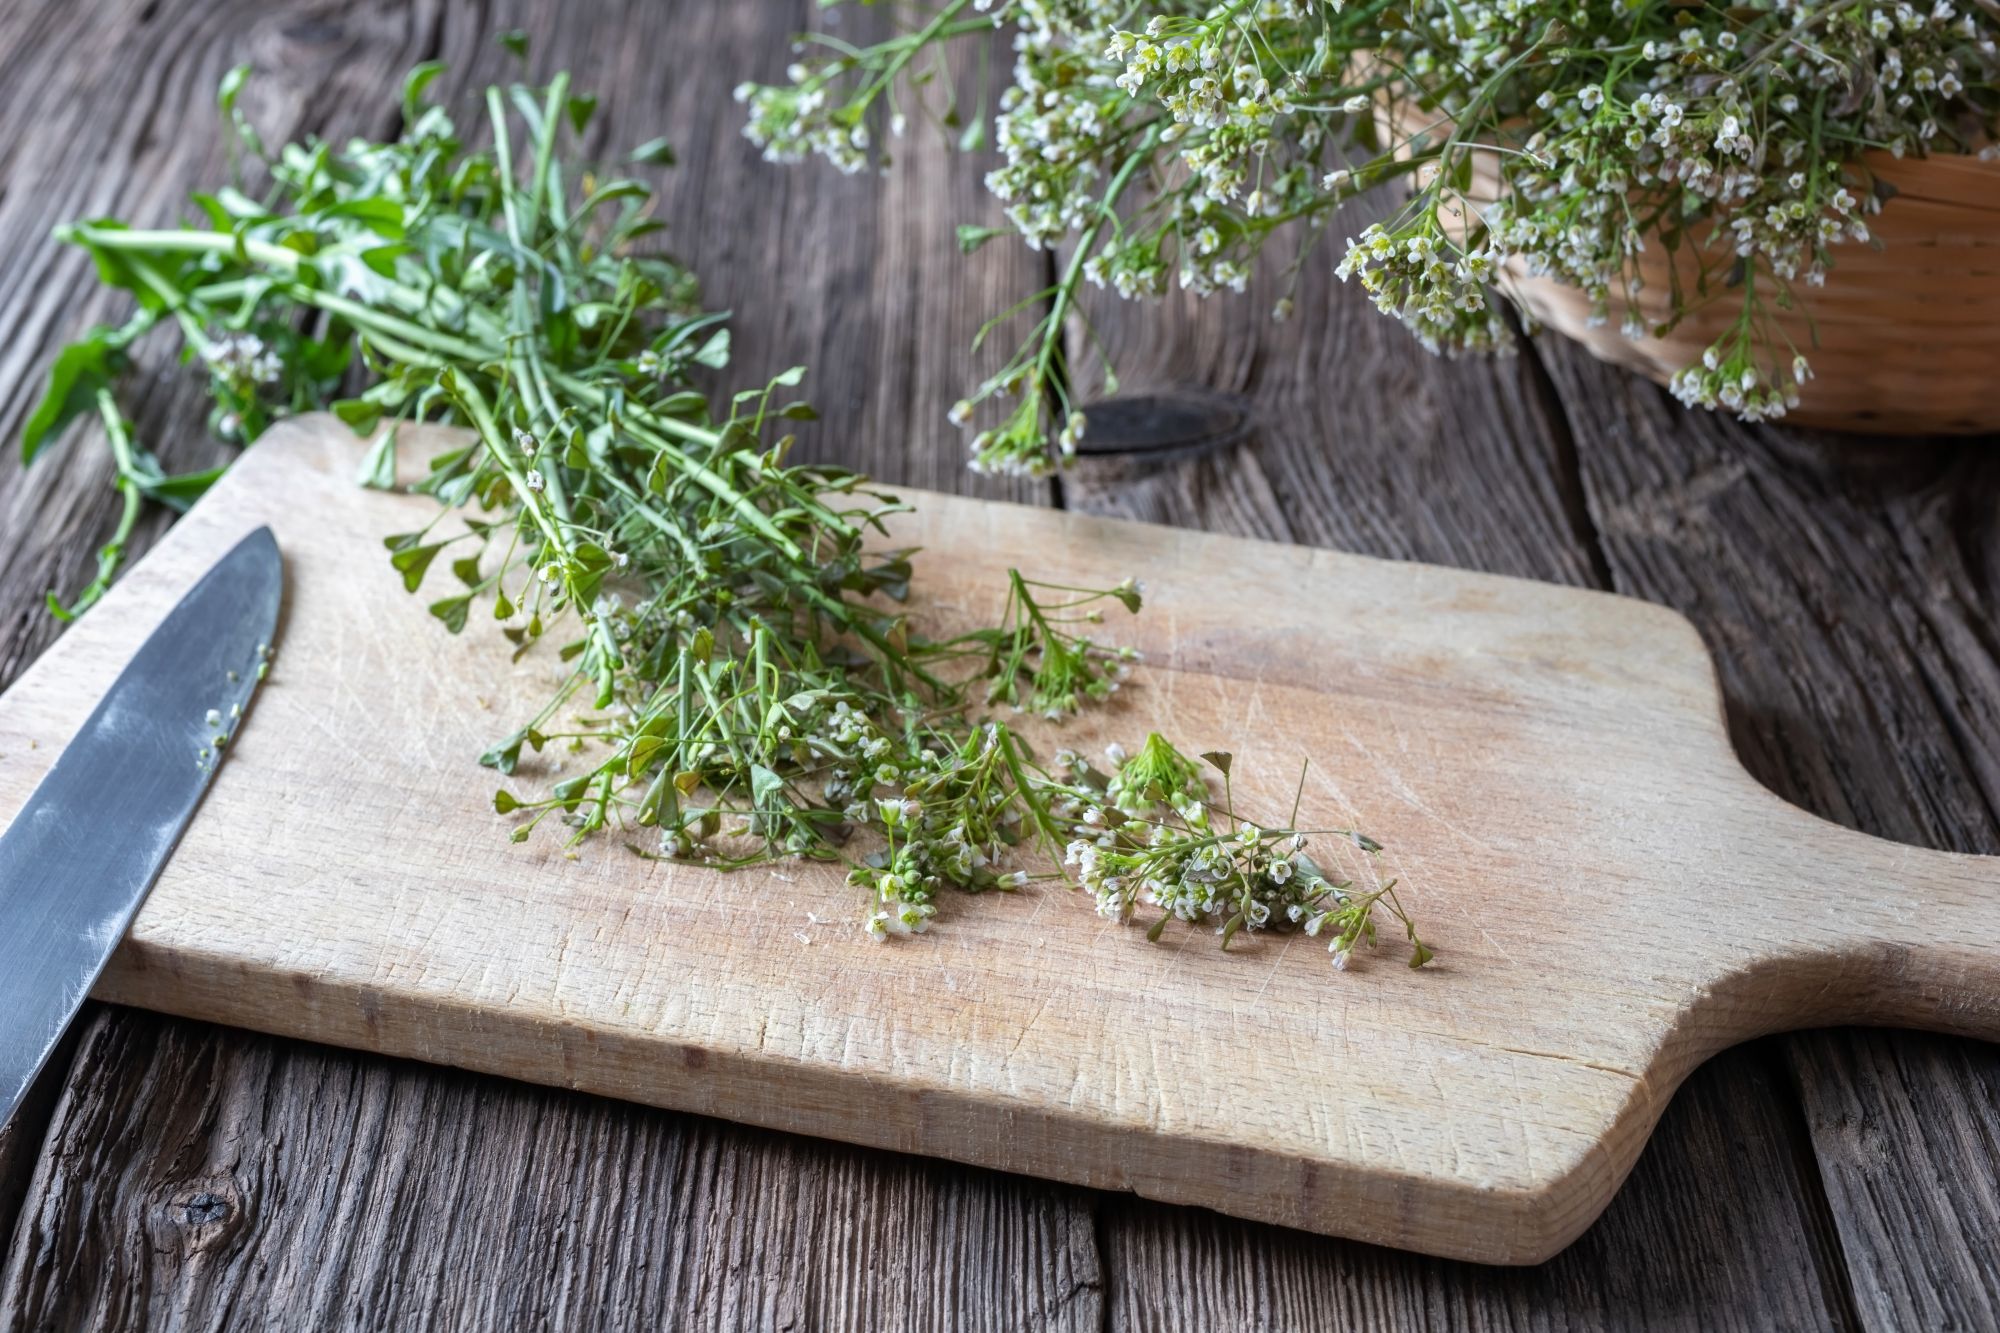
point(228, 1179)
point(1514, 743)
point(1761, 1261)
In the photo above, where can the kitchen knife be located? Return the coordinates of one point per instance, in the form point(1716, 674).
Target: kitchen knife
point(80, 857)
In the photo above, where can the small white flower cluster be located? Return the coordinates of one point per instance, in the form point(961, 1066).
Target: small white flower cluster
point(950, 824)
point(243, 360)
point(1247, 879)
point(795, 120)
point(1148, 835)
point(1441, 294)
point(1055, 136)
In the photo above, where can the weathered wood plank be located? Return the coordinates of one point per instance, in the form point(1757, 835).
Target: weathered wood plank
point(784, 1228)
point(204, 1176)
point(1362, 442)
point(1848, 589)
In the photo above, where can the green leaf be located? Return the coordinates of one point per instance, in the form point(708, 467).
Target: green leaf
point(179, 493)
point(506, 755)
point(381, 259)
point(414, 84)
point(230, 89)
point(715, 352)
point(515, 42)
point(581, 108)
point(452, 611)
point(379, 214)
point(765, 786)
point(655, 152)
point(971, 237)
point(87, 365)
point(641, 758)
point(686, 403)
point(378, 465)
point(360, 415)
point(412, 563)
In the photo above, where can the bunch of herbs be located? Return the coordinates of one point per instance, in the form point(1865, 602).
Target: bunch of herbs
point(739, 676)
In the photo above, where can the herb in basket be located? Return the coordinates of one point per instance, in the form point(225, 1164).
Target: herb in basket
point(738, 673)
point(1165, 143)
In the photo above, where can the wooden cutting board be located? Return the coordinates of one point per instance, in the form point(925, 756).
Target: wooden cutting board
point(1611, 897)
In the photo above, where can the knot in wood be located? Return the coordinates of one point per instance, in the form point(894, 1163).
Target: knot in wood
point(205, 1208)
point(200, 1216)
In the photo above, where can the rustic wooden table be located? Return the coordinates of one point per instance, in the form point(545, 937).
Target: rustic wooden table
point(176, 1175)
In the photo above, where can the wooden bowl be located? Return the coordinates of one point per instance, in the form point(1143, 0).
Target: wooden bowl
point(1904, 338)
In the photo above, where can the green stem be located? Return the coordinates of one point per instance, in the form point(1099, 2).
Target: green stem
point(1065, 295)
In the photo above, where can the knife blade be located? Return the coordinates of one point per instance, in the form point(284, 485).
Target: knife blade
point(80, 857)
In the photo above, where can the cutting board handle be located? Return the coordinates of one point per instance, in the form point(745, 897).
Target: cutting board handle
point(1883, 933)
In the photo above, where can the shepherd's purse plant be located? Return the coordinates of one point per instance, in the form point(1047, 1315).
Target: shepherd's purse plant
point(1151, 143)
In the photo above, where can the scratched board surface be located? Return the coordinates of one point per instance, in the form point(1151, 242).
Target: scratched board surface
point(1610, 896)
